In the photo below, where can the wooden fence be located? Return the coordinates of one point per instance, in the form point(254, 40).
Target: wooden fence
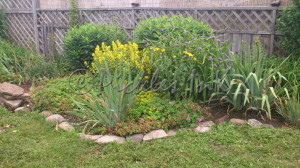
point(30, 26)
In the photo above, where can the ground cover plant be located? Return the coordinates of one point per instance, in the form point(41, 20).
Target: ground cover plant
point(37, 144)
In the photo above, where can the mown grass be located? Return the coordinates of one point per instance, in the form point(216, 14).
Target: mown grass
point(30, 142)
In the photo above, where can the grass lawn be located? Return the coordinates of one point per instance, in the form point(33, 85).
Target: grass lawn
point(30, 142)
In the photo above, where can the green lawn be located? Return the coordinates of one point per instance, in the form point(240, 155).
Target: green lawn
point(30, 142)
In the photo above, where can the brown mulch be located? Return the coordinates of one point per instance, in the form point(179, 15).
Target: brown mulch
point(219, 112)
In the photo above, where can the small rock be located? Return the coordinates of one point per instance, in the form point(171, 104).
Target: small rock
point(135, 138)
point(237, 121)
point(11, 89)
point(268, 125)
point(11, 104)
point(46, 113)
point(91, 137)
point(202, 129)
point(8, 97)
point(26, 96)
point(222, 119)
point(22, 109)
point(155, 135)
point(254, 123)
point(110, 138)
point(55, 118)
point(206, 124)
point(66, 126)
point(171, 132)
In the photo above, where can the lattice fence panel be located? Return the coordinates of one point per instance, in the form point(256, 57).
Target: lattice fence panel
point(20, 29)
point(52, 28)
point(16, 4)
point(55, 17)
point(250, 21)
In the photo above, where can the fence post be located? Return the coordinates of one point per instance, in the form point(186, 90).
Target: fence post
point(35, 26)
point(273, 32)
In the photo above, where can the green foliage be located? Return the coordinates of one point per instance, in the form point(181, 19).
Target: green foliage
point(18, 64)
point(189, 60)
point(80, 42)
point(250, 84)
point(131, 127)
point(52, 96)
point(180, 114)
point(289, 110)
point(289, 26)
point(2, 24)
point(74, 13)
point(152, 29)
point(114, 101)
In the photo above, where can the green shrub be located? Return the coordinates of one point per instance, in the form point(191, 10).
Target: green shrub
point(289, 26)
point(80, 42)
point(2, 25)
point(175, 26)
point(250, 84)
point(190, 60)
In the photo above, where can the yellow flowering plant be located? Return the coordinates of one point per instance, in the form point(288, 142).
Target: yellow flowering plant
point(126, 57)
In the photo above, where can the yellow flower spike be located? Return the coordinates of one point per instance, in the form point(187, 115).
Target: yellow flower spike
point(156, 49)
point(174, 56)
point(163, 50)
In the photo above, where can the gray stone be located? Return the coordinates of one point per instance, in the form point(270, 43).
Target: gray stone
point(11, 104)
point(26, 109)
point(66, 126)
point(46, 113)
point(171, 132)
point(90, 137)
point(110, 138)
point(254, 123)
point(135, 138)
point(11, 89)
point(155, 135)
point(206, 124)
point(237, 121)
point(55, 118)
point(201, 128)
point(268, 125)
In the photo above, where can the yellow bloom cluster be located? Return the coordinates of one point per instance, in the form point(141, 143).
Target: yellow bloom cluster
point(187, 53)
point(121, 55)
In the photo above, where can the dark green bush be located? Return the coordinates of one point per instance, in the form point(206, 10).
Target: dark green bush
point(289, 26)
point(2, 24)
point(151, 29)
point(80, 42)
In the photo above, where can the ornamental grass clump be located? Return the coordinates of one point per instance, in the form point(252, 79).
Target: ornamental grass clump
point(109, 103)
point(249, 84)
